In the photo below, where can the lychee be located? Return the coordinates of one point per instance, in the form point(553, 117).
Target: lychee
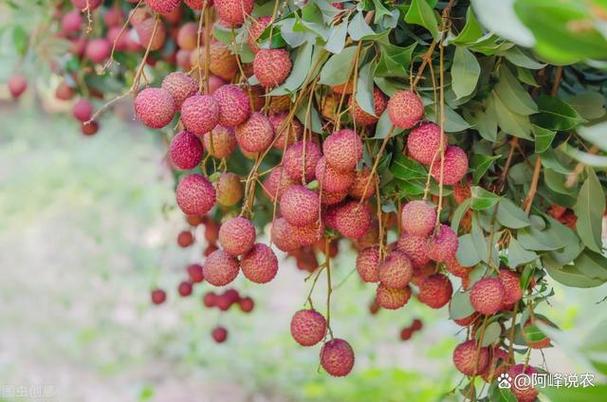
point(455, 166)
point(522, 392)
point(229, 189)
point(415, 247)
point(362, 118)
point(461, 192)
point(113, 17)
point(498, 364)
point(309, 234)
point(198, 4)
point(329, 198)
point(396, 270)
point(343, 149)
point(294, 157)
point(435, 291)
point(150, 34)
point(163, 6)
point(200, 114)
point(286, 132)
point(260, 264)
point(82, 110)
point(308, 327)
point(470, 359)
point(424, 142)
point(512, 287)
point(185, 238)
point(98, 50)
point(89, 127)
point(299, 205)
point(219, 334)
point(367, 264)
point(392, 299)
point(256, 134)
point(405, 109)
point(222, 62)
point(195, 273)
point(86, 4)
point(154, 107)
point(352, 219)
point(233, 12)
point(276, 183)
point(363, 186)
point(118, 39)
point(64, 91)
point(185, 151)
point(443, 244)
point(185, 288)
point(209, 299)
point(188, 37)
point(237, 235)
point(418, 218)
point(337, 357)
point(272, 67)
point(158, 296)
point(455, 268)
point(257, 27)
point(71, 22)
point(220, 268)
point(282, 236)
point(181, 86)
point(246, 304)
point(234, 107)
point(220, 142)
point(333, 180)
point(195, 195)
point(487, 296)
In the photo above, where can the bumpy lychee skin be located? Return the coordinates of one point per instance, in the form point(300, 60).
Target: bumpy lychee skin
point(195, 195)
point(337, 357)
point(187, 36)
point(220, 142)
point(418, 218)
point(220, 268)
point(405, 109)
point(308, 327)
point(396, 270)
point(229, 189)
point(343, 149)
point(163, 6)
point(307, 235)
point(260, 264)
point(455, 268)
point(197, 4)
point(237, 235)
point(362, 118)
point(83, 4)
point(233, 12)
point(272, 67)
point(487, 296)
point(470, 359)
point(330, 198)
point(299, 205)
point(333, 180)
point(498, 364)
point(154, 107)
point(363, 186)
point(512, 287)
point(282, 236)
point(256, 29)
point(234, 107)
point(286, 134)
point(181, 86)
point(521, 392)
point(367, 264)
point(82, 110)
point(353, 219)
point(455, 166)
point(443, 244)
point(276, 183)
point(222, 62)
point(185, 151)
point(415, 247)
point(256, 134)
point(392, 299)
point(150, 34)
point(200, 114)
point(423, 143)
point(435, 291)
point(293, 160)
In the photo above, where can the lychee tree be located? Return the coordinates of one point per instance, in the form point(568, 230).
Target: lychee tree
point(458, 146)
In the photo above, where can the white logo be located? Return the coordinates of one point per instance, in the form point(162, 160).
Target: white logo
point(504, 381)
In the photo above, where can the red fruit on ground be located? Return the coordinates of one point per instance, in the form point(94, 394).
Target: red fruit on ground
point(487, 296)
point(220, 268)
point(299, 206)
point(352, 219)
point(158, 296)
point(154, 107)
point(337, 357)
point(219, 334)
point(272, 67)
point(260, 264)
point(512, 287)
point(367, 264)
point(333, 180)
point(185, 238)
point(424, 142)
point(522, 392)
point(396, 270)
point(200, 114)
point(195, 273)
point(435, 291)
point(237, 235)
point(455, 166)
point(470, 359)
point(220, 142)
point(195, 195)
point(181, 86)
point(415, 247)
point(392, 299)
point(185, 288)
point(293, 161)
point(185, 151)
point(257, 27)
point(405, 109)
point(234, 106)
point(233, 13)
point(343, 149)
point(308, 327)
point(256, 134)
point(443, 245)
point(246, 304)
point(418, 218)
point(362, 118)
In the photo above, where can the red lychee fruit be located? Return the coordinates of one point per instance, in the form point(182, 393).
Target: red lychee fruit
point(185, 238)
point(256, 134)
point(181, 86)
point(343, 149)
point(418, 218)
point(512, 287)
point(328, 198)
point(154, 107)
point(522, 392)
point(222, 62)
point(234, 107)
point(260, 264)
point(455, 166)
point(158, 296)
point(195, 195)
point(276, 183)
point(337, 357)
point(498, 364)
point(200, 114)
point(367, 264)
point(198, 4)
point(443, 245)
point(214, 84)
point(487, 296)
point(392, 299)
point(82, 110)
point(461, 192)
point(185, 288)
point(118, 39)
point(286, 134)
point(114, 17)
point(150, 34)
point(229, 189)
point(396, 270)
point(405, 109)
point(64, 91)
point(219, 334)
point(363, 186)
point(163, 6)
point(233, 12)
point(421, 273)
point(299, 205)
point(423, 143)
point(188, 37)
point(332, 180)
point(282, 236)
point(185, 151)
point(98, 50)
point(195, 273)
point(257, 27)
point(246, 304)
point(272, 67)
point(417, 325)
point(455, 268)
point(71, 22)
point(415, 247)
point(470, 359)
point(220, 142)
point(237, 235)
point(362, 118)
point(89, 128)
point(435, 291)
point(406, 334)
point(86, 4)
point(308, 327)
point(466, 321)
point(293, 161)
point(209, 299)
point(352, 219)
point(220, 268)
point(309, 234)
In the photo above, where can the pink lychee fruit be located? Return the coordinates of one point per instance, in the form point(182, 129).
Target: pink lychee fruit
point(181, 86)
point(220, 268)
point(234, 106)
point(195, 195)
point(343, 149)
point(294, 157)
point(418, 218)
point(487, 296)
point(220, 142)
point(443, 244)
point(272, 67)
point(256, 134)
point(470, 359)
point(424, 142)
point(405, 109)
point(337, 357)
point(455, 166)
point(260, 264)
point(185, 151)
point(154, 107)
point(308, 327)
point(237, 235)
point(435, 291)
point(299, 205)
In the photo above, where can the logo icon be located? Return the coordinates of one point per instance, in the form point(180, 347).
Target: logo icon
point(504, 381)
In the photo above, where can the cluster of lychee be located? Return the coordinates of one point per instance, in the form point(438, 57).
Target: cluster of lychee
point(407, 332)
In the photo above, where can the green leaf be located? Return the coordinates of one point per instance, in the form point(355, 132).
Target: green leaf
point(460, 306)
point(302, 60)
point(590, 104)
point(490, 335)
point(596, 134)
point(459, 213)
point(483, 199)
point(569, 275)
point(337, 37)
point(484, 119)
point(512, 123)
point(510, 215)
point(385, 127)
point(532, 238)
point(420, 13)
point(556, 182)
point(513, 95)
point(465, 72)
point(556, 114)
point(358, 28)
point(519, 58)
point(471, 32)
point(498, 16)
point(20, 40)
point(453, 121)
point(592, 265)
point(595, 393)
point(588, 159)
point(589, 210)
point(405, 168)
point(364, 89)
point(480, 163)
point(467, 253)
point(517, 255)
point(335, 71)
point(543, 138)
point(394, 61)
point(573, 245)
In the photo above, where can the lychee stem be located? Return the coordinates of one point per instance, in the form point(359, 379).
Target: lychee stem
point(120, 33)
point(329, 287)
point(376, 162)
point(198, 32)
